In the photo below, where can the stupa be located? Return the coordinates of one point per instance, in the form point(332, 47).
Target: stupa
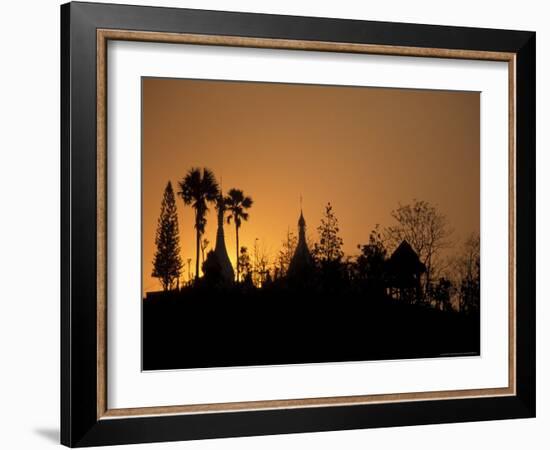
point(226, 269)
point(301, 263)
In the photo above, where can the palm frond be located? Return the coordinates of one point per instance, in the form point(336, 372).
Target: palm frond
point(235, 196)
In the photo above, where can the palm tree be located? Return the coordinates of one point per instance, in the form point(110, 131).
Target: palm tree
point(237, 204)
point(197, 189)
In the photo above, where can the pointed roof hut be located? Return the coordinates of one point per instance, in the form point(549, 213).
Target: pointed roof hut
point(404, 260)
point(404, 269)
point(226, 269)
point(302, 261)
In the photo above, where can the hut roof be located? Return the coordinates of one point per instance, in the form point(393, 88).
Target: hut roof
point(405, 260)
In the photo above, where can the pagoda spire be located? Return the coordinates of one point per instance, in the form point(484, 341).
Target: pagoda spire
point(220, 250)
point(301, 263)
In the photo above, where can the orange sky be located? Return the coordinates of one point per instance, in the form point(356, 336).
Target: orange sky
point(362, 149)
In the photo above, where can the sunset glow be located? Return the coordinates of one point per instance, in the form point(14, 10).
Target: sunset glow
point(364, 150)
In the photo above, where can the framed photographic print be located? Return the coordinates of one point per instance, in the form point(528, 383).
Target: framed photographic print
point(276, 224)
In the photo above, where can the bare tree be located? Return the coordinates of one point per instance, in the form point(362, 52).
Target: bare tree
point(425, 229)
point(467, 270)
point(287, 251)
point(260, 264)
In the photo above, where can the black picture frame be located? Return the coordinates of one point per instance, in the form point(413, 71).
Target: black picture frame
point(80, 425)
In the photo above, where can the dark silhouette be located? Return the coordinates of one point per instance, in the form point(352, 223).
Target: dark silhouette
point(302, 266)
point(198, 189)
point(285, 254)
point(237, 204)
point(441, 294)
point(468, 269)
point(425, 229)
point(204, 245)
point(329, 247)
point(167, 265)
point(226, 269)
point(404, 270)
point(328, 252)
point(246, 265)
point(320, 306)
point(370, 265)
point(260, 264)
point(212, 269)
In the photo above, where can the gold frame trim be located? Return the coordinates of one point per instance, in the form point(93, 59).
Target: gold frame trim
point(104, 35)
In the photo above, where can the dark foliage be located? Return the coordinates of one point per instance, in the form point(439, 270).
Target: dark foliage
point(197, 189)
point(329, 247)
point(237, 204)
point(167, 265)
point(468, 268)
point(441, 294)
point(212, 270)
point(245, 264)
point(285, 254)
point(425, 229)
point(280, 325)
point(370, 264)
point(318, 306)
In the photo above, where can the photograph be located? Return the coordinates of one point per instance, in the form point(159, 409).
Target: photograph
point(298, 223)
point(282, 221)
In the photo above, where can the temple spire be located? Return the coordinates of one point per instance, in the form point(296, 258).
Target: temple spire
point(301, 263)
point(220, 250)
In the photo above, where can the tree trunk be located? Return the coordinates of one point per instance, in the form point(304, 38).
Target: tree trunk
point(237, 243)
point(428, 275)
point(197, 226)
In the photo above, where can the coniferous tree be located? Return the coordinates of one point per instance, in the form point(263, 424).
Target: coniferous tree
point(329, 247)
point(167, 265)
